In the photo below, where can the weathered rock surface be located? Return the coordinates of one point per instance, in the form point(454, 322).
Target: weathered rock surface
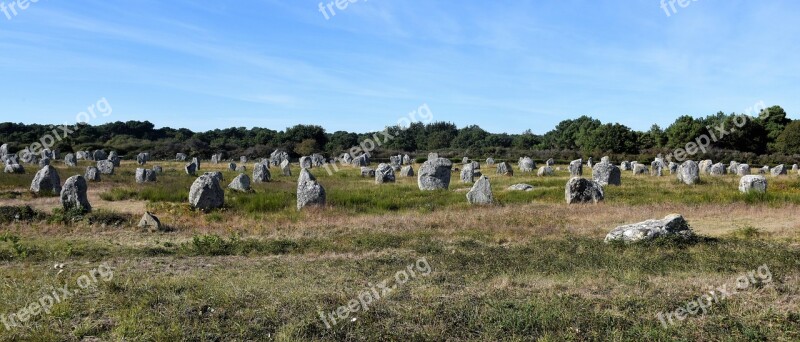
point(521, 187)
point(689, 172)
point(206, 193)
point(545, 171)
point(384, 174)
point(606, 174)
point(753, 183)
point(46, 181)
point(481, 193)
point(150, 223)
point(505, 169)
point(580, 190)
point(92, 174)
point(106, 167)
point(73, 194)
point(240, 183)
point(407, 171)
point(672, 225)
point(309, 192)
point(435, 174)
point(576, 168)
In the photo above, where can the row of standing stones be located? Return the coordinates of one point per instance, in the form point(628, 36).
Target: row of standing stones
point(206, 192)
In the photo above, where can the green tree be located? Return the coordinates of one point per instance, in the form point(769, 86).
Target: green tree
point(789, 140)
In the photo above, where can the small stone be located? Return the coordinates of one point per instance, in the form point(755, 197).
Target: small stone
point(150, 223)
point(521, 187)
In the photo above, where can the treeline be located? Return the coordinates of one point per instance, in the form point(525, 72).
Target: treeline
point(767, 133)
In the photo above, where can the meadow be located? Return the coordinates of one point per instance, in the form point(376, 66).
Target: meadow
point(530, 267)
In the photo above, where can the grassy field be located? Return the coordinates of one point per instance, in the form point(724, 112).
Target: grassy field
point(529, 268)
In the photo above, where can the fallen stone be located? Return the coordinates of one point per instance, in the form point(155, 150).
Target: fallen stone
point(672, 225)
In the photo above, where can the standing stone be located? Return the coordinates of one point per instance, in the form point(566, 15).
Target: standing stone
point(545, 171)
point(46, 181)
point(180, 157)
point(733, 168)
point(576, 168)
point(481, 193)
point(261, 173)
point(145, 176)
point(362, 160)
point(605, 159)
point(779, 170)
point(717, 170)
point(309, 192)
point(640, 169)
point(243, 159)
point(384, 174)
point(551, 162)
point(505, 169)
point(705, 166)
point(150, 223)
point(232, 166)
point(240, 183)
point(753, 183)
point(606, 174)
point(580, 190)
point(305, 162)
point(106, 167)
point(367, 172)
point(285, 169)
point(673, 168)
point(407, 160)
point(70, 160)
point(3, 150)
point(589, 162)
point(433, 156)
point(764, 170)
point(527, 165)
point(114, 158)
point(435, 174)
point(158, 169)
point(92, 174)
point(407, 171)
point(99, 155)
point(743, 170)
point(142, 158)
point(795, 168)
point(689, 172)
point(625, 166)
point(14, 168)
point(490, 161)
point(464, 160)
point(467, 174)
point(196, 162)
point(657, 168)
point(73, 195)
point(191, 169)
point(206, 193)
point(82, 155)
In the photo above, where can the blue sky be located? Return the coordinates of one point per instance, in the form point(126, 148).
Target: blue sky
point(506, 66)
